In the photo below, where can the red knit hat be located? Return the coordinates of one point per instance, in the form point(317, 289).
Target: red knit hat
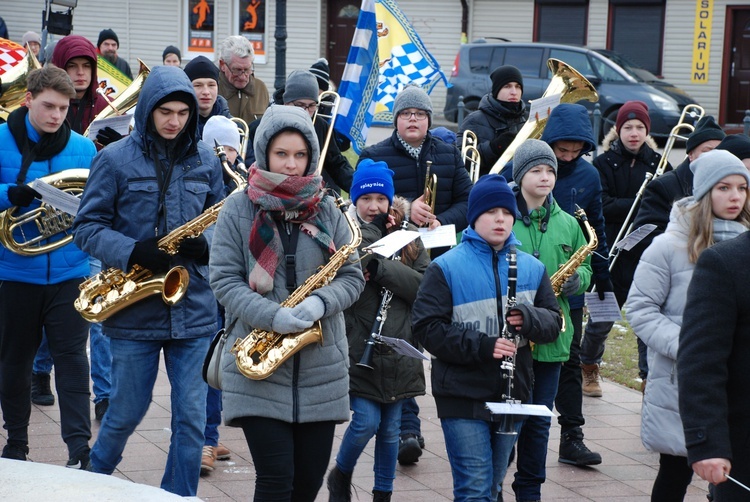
point(633, 110)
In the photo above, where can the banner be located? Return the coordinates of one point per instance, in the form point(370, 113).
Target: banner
point(10, 54)
point(386, 54)
point(111, 80)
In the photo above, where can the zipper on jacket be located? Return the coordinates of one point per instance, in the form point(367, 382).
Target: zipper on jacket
point(295, 387)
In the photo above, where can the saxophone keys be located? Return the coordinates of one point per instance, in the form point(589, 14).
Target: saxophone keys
point(112, 295)
point(275, 355)
point(96, 308)
point(81, 304)
point(128, 287)
point(289, 343)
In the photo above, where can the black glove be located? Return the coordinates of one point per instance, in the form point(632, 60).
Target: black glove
point(603, 286)
point(380, 221)
point(195, 248)
point(372, 267)
point(22, 195)
point(572, 285)
point(108, 135)
point(501, 141)
point(148, 255)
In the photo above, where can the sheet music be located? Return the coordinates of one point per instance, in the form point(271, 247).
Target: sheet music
point(120, 123)
point(538, 410)
point(391, 243)
point(629, 241)
point(442, 236)
point(402, 347)
point(603, 311)
point(56, 198)
point(542, 107)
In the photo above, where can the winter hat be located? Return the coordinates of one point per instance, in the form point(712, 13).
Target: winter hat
point(504, 75)
point(372, 177)
point(736, 144)
point(300, 84)
point(412, 96)
point(223, 130)
point(712, 167)
point(705, 130)
point(201, 67)
point(171, 49)
point(445, 134)
point(31, 36)
point(633, 110)
point(322, 73)
point(490, 191)
point(107, 34)
point(531, 153)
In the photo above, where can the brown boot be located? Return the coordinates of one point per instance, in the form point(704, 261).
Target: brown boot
point(591, 385)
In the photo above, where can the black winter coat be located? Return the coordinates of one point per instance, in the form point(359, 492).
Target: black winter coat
point(394, 376)
point(489, 120)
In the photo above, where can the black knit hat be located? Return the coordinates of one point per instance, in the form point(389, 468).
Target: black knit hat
point(736, 144)
point(322, 72)
point(201, 67)
point(505, 75)
point(171, 49)
point(705, 130)
point(107, 34)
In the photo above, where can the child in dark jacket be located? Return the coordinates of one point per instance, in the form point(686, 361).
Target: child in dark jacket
point(457, 317)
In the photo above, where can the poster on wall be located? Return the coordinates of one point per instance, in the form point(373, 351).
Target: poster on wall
point(200, 18)
point(252, 16)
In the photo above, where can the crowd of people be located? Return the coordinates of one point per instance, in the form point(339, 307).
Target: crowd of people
point(490, 310)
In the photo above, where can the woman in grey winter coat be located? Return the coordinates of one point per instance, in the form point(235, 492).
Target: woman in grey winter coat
point(289, 417)
point(718, 211)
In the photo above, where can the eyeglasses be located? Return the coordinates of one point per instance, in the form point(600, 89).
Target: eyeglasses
point(307, 108)
point(240, 72)
point(406, 114)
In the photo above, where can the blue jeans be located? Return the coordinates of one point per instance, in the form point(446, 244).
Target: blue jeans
point(531, 451)
point(594, 339)
point(410, 423)
point(135, 365)
point(372, 419)
point(213, 416)
point(43, 358)
point(478, 457)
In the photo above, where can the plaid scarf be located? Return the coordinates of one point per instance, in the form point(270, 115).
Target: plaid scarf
point(294, 199)
point(413, 152)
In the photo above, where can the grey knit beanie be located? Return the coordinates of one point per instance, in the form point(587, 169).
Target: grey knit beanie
point(221, 129)
point(712, 167)
point(531, 153)
point(412, 96)
point(300, 84)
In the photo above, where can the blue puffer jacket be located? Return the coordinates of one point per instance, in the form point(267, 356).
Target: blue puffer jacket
point(220, 108)
point(119, 208)
point(68, 262)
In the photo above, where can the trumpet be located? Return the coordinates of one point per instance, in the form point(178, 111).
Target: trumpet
point(330, 117)
point(693, 111)
point(244, 135)
point(430, 187)
point(470, 154)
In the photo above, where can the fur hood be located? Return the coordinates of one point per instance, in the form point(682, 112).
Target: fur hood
point(612, 136)
point(400, 204)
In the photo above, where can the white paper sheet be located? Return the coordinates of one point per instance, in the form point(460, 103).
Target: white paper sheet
point(542, 107)
point(519, 409)
point(402, 347)
point(120, 123)
point(603, 311)
point(442, 236)
point(56, 198)
point(629, 241)
point(393, 242)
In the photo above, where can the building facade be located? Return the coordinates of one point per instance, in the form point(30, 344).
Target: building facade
point(702, 46)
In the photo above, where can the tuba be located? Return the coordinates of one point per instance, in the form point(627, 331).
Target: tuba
point(570, 85)
point(126, 100)
point(569, 267)
point(470, 154)
point(13, 84)
point(261, 352)
point(25, 233)
point(333, 104)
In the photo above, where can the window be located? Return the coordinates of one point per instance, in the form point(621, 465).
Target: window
point(637, 31)
point(561, 22)
point(578, 60)
point(527, 59)
point(479, 60)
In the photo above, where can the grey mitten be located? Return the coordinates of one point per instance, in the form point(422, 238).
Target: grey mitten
point(572, 285)
point(310, 309)
point(284, 322)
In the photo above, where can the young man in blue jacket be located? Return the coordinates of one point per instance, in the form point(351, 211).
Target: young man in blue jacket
point(140, 189)
point(37, 291)
point(458, 317)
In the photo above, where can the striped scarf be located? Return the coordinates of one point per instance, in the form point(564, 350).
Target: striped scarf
point(294, 199)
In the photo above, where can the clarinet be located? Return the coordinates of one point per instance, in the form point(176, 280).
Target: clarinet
point(380, 317)
point(508, 363)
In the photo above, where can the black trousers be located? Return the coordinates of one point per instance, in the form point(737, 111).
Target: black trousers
point(672, 480)
point(290, 459)
point(24, 310)
point(569, 400)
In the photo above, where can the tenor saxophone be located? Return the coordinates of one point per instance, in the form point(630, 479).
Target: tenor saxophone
point(261, 352)
point(569, 268)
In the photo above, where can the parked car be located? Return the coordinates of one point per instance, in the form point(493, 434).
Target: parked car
point(475, 61)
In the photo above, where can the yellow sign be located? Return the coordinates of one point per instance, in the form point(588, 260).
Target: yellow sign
point(111, 80)
point(704, 14)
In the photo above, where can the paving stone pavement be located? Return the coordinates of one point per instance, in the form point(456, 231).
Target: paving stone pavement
point(612, 429)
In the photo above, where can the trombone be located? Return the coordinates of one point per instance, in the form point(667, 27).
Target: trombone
point(329, 100)
point(470, 154)
point(693, 111)
point(244, 135)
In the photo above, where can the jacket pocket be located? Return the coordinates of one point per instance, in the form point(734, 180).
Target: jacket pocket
point(142, 193)
point(195, 203)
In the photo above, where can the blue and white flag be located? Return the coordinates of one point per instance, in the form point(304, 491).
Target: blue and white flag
point(386, 55)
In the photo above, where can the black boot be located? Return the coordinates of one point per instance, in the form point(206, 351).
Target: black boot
point(41, 392)
point(378, 496)
point(573, 451)
point(409, 449)
point(339, 486)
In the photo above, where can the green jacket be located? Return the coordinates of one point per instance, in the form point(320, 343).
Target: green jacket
point(555, 247)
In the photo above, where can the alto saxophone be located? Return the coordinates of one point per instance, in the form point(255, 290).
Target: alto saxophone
point(569, 268)
point(112, 290)
point(261, 352)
